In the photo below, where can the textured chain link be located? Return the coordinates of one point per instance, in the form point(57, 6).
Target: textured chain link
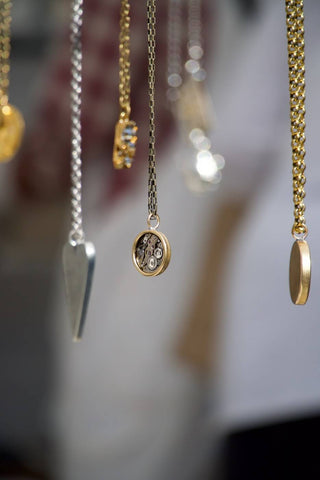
point(5, 23)
point(194, 23)
point(296, 64)
point(124, 59)
point(174, 53)
point(76, 234)
point(152, 183)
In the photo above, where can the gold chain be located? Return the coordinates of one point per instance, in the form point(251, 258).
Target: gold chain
point(5, 22)
point(296, 64)
point(152, 184)
point(124, 60)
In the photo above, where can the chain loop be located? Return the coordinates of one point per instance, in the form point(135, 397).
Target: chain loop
point(296, 64)
point(152, 183)
point(5, 24)
point(76, 234)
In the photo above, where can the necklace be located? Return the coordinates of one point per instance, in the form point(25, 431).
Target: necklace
point(300, 261)
point(151, 249)
point(126, 130)
point(190, 99)
point(11, 120)
point(78, 255)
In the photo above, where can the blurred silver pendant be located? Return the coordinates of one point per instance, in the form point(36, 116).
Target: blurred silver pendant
point(78, 255)
point(78, 264)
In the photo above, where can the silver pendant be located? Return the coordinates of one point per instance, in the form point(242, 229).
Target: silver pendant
point(78, 264)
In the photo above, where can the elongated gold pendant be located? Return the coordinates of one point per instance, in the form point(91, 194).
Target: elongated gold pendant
point(300, 272)
point(151, 252)
point(125, 140)
point(11, 132)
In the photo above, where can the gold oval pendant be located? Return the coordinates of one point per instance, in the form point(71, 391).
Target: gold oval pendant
point(125, 140)
point(300, 272)
point(11, 132)
point(151, 252)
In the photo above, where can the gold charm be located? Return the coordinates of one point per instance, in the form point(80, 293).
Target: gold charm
point(125, 140)
point(300, 272)
point(300, 263)
point(11, 132)
point(151, 251)
point(11, 120)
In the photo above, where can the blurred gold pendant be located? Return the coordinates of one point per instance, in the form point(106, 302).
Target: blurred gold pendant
point(125, 140)
point(11, 132)
point(300, 272)
point(151, 252)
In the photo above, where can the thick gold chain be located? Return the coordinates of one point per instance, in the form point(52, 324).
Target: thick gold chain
point(296, 64)
point(124, 60)
point(5, 22)
point(152, 184)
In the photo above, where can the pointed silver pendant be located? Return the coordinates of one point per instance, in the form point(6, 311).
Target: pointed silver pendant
point(78, 265)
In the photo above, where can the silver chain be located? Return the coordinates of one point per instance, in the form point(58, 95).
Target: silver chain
point(194, 25)
point(152, 182)
point(174, 53)
point(76, 235)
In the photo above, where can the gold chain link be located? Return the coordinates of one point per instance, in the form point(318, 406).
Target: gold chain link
point(296, 64)
point(152, 184)
point(124, 60)
point(5, 23)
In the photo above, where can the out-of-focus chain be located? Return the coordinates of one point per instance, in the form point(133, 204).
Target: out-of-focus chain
point(5, 23)
point(152, 183)
point(174, 54)
point(76, 234)
point(296, 64)
point(124, 60)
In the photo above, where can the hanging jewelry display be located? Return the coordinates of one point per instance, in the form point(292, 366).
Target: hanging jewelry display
point(125, 139)
point(151, 249)
point(78, 255)
point(11, 120)
point(300, 261)
point(190, 99)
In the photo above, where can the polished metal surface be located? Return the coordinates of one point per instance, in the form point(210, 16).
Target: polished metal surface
point(78, 264)
point(300, 272)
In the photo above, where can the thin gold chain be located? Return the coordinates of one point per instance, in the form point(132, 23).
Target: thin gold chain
point(296, 64)
point(124, 60)
point(152, 183)
point(5, 23)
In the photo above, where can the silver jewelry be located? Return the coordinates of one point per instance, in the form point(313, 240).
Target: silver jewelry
point(78, 255)
point(190, 99)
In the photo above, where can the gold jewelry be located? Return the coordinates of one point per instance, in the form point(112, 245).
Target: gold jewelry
point(151, 250)
point(300, 262)
point(125, 139)
point(11, 120)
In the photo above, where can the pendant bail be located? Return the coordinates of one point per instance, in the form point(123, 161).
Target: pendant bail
point(153, 217)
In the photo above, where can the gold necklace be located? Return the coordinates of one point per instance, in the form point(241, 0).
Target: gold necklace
point(126, 130)
point(300, 261)
point(151, 250)
point(11, 121)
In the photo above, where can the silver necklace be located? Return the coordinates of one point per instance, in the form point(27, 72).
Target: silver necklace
point(190, 99)
point(78, 255)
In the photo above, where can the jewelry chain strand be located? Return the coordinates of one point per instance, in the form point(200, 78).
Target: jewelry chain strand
point(5, 23)
point(174, 54)
point(124, 59)
point(194, 23)
point(152, 183)
point(76, 234)
point(296, 65)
